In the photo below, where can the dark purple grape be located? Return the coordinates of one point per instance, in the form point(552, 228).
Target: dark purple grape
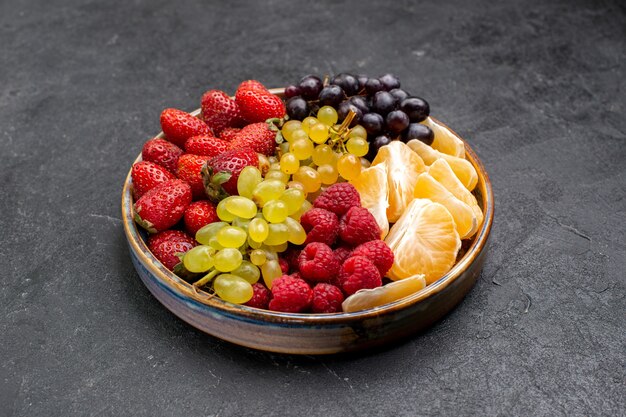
point(292, 91)
point(310, 86)
point(389, 82)
point(297, 108)
point(373, 123)
point(383, 103)
point(416, 108)
point(360, 102)
point(331, 95)
point(347, 82)
point(373, 86)
point(362, 80)
point(399, 94)
point(344, 109)
point(418, 131)
point(397, 121)
point(377, 143)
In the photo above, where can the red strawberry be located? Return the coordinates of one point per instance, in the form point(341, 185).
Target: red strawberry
point(252, 85)
point(147, 175)
point(257, 106)
point(163, 206)
point(190, 171)
point(219, 110)
point(165, 245)
point(222, 171)
point(257, 136)
point(162, 152)
point(229, 133)
point(198, 215)
point(206, 145)
point(179, 126)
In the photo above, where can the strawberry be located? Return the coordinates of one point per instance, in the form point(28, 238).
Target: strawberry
point(167, 244)
point(221, 172)
point(257, 136)
point(257, 106)
point(190, 171)
point(206, 145)
point(179, 126)
point(162, 152)
point(198, 215)
point(163, 206)
point(251, 85)
point(147, 175)
point(229, 133)
point(219, 110)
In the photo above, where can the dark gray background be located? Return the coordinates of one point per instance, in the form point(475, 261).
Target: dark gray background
point(536, 87)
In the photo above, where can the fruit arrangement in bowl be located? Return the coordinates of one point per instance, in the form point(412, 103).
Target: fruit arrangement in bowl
point(335, 207)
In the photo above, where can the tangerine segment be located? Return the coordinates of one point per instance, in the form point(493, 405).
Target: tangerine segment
point(464, 171)
point(403, 168)
point(424, 241)
point(441, 171)
point(445, 141)
point(364, 299)
point(463, 215)
point(374, 192)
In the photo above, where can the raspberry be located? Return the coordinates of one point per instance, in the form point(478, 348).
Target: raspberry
point(378, 252)
point(320, 225)
point(338, 198)
point(292, 255)
point(357, 273)
point(358, 226)
point(342, 253)
point(260, 297)
point(317, 262)
point(291, 295)
point(326, 299)
point(284, 265)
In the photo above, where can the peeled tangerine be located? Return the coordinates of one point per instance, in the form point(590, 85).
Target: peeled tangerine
point(403, 168)
point(445, 140)
point(364, 299)
point(424, 241)
point(464, 171)
point(374, 192)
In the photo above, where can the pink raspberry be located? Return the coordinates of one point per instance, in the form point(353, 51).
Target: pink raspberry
point(338, 198)
point(320, 225)
point(290, 295)
point(326, 299)
point(284, 265)
point(317, 262)
point(378, 252)
point(342, 253)
point(260, 297)
point(358, 273)
point(358, 226)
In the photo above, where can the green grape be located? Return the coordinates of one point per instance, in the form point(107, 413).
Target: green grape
point(253, 244)
point(306, 206)
point(248, 271)
point(289, 163)
point(264, 166)
point(358, 146)
point(242, 223)
point(284, 147)
point(249, 177)
point(277, 175)
point(241, 207)
point(258, 230)
point(270, 253)
point(365, 163)
point(275, 211)
point(296, 185)
point(268, 190)
point(278, 234)
point(227, 259)
point(289, 127)
point(301, 148)
point(299, 134)
point(204, 235)
point(279, 248)
point(199, 259)
point(328, 174)
point(215, 244)
point(231, 237)
point(224, 214)
point(319, 133)
point(309, 178)
point(293, 198)
point(323, 154)
point(233, 288)
point(327, 115)
point(258, 257)
point(297, 234)
point(270, 271)
point(349, 166)
point(275, 166)
point(307, 123)
point(358, 131)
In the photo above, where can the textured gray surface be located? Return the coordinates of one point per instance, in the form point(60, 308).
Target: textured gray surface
point(536, 87)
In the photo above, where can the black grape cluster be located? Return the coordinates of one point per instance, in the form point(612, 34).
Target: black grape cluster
point(386, 111)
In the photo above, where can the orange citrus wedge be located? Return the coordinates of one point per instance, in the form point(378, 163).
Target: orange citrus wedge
point(388, 293)
point(374, 191)
point(424, 241)
point(445, 140)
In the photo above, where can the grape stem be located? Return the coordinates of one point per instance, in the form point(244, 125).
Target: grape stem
point(342, 130)
point(205, 280)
